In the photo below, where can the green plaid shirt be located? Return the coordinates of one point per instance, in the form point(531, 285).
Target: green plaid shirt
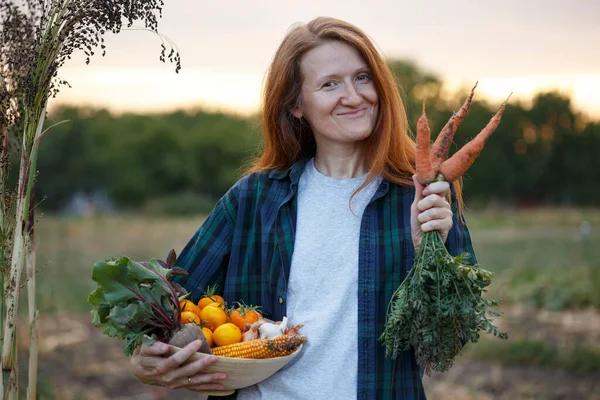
point(245, 246)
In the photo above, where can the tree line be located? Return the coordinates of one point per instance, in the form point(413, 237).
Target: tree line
point(181, 162)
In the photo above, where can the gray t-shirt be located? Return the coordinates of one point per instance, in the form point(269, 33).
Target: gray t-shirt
point(323, 291)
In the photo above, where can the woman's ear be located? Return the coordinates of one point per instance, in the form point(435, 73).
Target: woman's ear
point(296, 112)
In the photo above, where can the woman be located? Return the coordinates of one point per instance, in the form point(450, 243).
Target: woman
point(324, 225)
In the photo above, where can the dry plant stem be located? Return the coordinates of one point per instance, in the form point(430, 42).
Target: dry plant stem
point(26, 174)
point(32, 307)
point(4, 256)
point(12, 389)
point(33, 357)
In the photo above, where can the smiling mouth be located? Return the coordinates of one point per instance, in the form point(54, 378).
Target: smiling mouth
point(353, 113)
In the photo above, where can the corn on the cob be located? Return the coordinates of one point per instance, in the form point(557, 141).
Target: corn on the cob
point(262, 348)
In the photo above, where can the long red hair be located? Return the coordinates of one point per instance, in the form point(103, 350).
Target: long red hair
point(389, 151)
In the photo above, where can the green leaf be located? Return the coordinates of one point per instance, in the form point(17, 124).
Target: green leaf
point(97, 298)
point(113, 277)
point(150, 273)
point(132, 300)
point(131, 318)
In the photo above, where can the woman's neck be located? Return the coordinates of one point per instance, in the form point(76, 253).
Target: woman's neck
point(341, 164)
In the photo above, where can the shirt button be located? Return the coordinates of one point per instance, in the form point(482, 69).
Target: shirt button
point(365, 344)
point(280, 300)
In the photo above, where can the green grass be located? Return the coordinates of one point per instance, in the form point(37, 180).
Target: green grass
point(68, 249)
point(539, 257)
point(579, 358)
point(570, 287)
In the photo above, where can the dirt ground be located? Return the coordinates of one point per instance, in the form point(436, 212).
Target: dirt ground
point(78, 362)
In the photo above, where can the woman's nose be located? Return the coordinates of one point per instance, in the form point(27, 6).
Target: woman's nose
point(351, 96)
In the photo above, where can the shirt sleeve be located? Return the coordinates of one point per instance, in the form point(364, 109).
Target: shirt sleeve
point(206, 255)
point(459, 238)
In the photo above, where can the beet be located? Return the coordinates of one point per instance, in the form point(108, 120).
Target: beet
point(187, 334)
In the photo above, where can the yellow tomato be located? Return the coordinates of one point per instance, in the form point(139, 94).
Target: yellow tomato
point(222, 306)
point(187, 305)
point(210, 296)
point(208, 335)
point(209, 300)
point(213, 317)
point(227, 334)
point(189, 317)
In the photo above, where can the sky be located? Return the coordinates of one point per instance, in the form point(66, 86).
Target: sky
point(519, 46)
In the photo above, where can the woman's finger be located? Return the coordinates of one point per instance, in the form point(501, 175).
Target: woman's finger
point(441, 225)
point(206, 386)
point(194, 368)
point(440, 188)
point(433, 200)
point(155, 349)
point(213, 380)
point(434, 213)
point(150, 362)
point(191, 381)
point(178, 358)
point(418, 189)
point(195, 380)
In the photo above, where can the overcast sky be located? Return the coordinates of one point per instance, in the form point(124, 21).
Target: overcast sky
point(508, 46)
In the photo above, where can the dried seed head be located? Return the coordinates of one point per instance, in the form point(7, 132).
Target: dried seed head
point(38, 36)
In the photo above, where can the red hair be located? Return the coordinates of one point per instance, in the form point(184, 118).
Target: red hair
point(390, 149)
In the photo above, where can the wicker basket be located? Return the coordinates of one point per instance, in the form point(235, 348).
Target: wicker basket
point(241, 372)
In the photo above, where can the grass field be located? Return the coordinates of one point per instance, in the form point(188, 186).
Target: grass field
point(547, 265)
point(539, 256)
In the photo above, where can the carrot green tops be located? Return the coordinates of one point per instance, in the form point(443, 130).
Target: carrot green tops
point(245, 246)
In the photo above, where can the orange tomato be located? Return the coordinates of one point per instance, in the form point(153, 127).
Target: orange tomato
point(189, 317)
point(187, 305)
point(242, 316)
point(208, 335)
point(210, 296)
point(209, 299)
point(213, 317)
point(227, 334)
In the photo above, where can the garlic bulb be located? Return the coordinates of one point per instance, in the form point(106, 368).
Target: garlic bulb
point(269, 330)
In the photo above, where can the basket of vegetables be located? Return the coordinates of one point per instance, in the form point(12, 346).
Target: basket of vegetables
point(139, 303)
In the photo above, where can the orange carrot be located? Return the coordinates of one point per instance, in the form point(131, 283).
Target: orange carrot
point(425, 171)
point(444, 139)
point(454, 167)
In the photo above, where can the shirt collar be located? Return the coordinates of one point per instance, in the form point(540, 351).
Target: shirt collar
point(297, 168)
point(294, 171)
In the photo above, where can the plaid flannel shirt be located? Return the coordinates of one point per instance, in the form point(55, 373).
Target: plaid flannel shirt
point(245, 246)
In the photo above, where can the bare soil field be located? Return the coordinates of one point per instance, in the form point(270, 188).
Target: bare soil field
point(78, 362)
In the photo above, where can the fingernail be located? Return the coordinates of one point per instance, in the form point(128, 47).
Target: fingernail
point(221, 376)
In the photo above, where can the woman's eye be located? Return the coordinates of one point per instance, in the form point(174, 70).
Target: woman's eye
point(363, 77)
point(329, 84)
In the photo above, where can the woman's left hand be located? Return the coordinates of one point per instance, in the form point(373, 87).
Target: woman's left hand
point(430, 210)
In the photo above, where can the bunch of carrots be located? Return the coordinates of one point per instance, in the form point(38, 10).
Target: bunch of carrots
point(439, 306)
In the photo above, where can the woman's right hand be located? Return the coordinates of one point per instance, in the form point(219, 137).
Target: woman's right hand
point(152, 365)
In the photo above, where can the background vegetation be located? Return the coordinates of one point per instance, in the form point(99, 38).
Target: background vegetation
point(181, 162)
point(533, 213)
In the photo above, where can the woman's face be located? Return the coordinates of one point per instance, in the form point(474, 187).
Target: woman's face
point(339, 99)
